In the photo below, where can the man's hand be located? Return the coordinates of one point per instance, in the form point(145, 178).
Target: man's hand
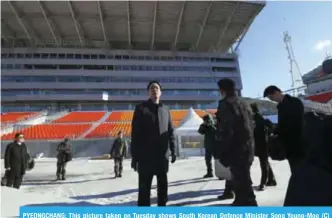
point(134, 165)
point(173, 158)
point(8, 168)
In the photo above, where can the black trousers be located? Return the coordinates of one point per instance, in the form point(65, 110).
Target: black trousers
point(242, 185)
point(118, 165)
point(13, 180)
point(144, 188)
point(61, 169)
point(208, 161)
point(228, 187)
point(266, 169)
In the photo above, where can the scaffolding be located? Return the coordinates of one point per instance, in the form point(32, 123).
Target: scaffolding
point(295, 76)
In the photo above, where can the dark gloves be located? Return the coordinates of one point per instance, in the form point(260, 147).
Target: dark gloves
point(134, 164)
point(173, 158)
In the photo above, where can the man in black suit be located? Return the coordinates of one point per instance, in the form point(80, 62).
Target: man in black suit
point(152, 138)
point(290, 125)
point(16, 161)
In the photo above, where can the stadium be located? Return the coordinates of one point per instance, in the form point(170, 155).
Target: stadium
point(77, 69)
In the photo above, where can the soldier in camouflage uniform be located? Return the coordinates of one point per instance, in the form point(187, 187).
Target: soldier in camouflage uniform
point(64, 150)
point(208, 129)
point(118, 152)
point(236, 142)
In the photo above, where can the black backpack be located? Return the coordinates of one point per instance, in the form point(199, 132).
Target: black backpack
point(276, 148)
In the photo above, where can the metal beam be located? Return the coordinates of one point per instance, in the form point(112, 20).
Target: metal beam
point(8, 29)
point(20, 21)
point(225, 26)
point(128, 23)
point(47, 19)
point(203, 25)
point(179, 25)
point(101, 16)
point(154, 24)
point(80, 37)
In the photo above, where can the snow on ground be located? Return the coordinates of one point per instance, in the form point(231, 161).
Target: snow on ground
point(91, 182)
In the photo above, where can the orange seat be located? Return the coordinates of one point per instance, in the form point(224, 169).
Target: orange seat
point(178, 115)
point(201, 113)
point(15, 116)
point(110, 130)
point(50, 131)
point(120, 116)
point(211, 111)
point(81, 117)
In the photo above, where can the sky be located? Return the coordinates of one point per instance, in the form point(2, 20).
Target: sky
point(262, 53)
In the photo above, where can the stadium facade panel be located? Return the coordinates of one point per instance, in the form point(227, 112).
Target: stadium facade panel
point(67, 77)
point(69, 54)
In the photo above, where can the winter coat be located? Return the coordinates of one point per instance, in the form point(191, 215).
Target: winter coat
point(261, 131)
point(290, 126)
point(16, 158)
point(64, 152)
point(152, 137)
point(119, 148)
point(209, 131)
point(235, 132)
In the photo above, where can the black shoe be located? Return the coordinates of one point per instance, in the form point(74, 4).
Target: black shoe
point(271, 183)
point(119, 175)
point(208, 175)
point(63, 178)
point(226, 196)
point(261, 188)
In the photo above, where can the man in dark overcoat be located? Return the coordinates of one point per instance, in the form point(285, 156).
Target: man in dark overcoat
point(262, 128)
point(16, 161)
point(290, 125)
point(152, 139)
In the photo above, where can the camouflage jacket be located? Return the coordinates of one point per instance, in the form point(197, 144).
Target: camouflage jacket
point(235, 130)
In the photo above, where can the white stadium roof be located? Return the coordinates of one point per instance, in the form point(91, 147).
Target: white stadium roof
point(144, 25)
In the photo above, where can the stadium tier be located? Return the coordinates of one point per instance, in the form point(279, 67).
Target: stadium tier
point(15, 116)
point(110, 130)
point(50, 131)
point(87, 125)
point(120, 116)
point(81, 117)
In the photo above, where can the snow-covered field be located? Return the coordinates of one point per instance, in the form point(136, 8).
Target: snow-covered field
point(91, 182)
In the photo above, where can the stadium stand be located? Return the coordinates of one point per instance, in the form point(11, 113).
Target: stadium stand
point(81, 117)
point(50, 131)
point(120, 116)
point(178, 115)
point(16, 116)
point(110, 130)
